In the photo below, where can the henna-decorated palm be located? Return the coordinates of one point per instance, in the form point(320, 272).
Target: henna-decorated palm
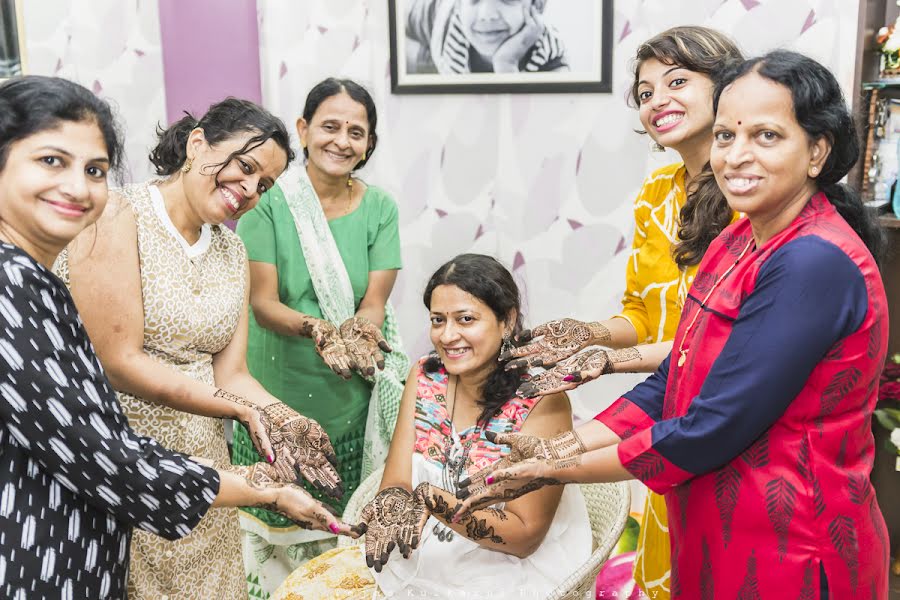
point(568, 374)
point(551, 342)
point(330, 346)
point(291, 500)
point(522, 448)
point(364, 344)
point(394, 517)
point(301, 443)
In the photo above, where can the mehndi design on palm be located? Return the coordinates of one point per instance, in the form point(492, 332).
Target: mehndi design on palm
point(303, 444)
point(568, 374)
point(295, 503)
point(330, 346)
point(551, 342)
point(394, 518)
point(364, 344)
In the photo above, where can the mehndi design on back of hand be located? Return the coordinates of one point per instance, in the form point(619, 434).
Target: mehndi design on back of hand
point(551, 342)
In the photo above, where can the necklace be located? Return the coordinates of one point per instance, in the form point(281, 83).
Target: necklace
point(682, 351)
point(456, 456)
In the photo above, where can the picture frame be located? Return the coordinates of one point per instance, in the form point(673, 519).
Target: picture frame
point(501, 46)
point(12, 39)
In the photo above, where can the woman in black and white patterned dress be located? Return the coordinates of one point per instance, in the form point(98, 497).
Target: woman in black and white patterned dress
point(74, 478)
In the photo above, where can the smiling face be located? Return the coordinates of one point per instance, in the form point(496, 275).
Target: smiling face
point(53, 185)
point(337, 137)
point(217, 196)
point(465, 332)
point(489, 23)
point(675, 105)
point(762, 158)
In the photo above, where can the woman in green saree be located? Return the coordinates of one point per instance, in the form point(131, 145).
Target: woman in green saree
point(324, 253)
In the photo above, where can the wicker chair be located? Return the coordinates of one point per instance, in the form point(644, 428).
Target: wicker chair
point(608, 505)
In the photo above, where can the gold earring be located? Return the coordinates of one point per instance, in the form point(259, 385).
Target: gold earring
point(366, 153)
point(186, 167)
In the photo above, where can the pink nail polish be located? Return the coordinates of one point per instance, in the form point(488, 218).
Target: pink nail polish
point(569, 378)
point(334, 528)
point(270, 458)
point(489, 479)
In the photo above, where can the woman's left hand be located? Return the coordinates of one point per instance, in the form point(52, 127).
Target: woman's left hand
point(365, 344)
point(301, 442)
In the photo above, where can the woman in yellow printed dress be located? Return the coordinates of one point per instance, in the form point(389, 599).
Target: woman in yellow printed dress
point(677, 213)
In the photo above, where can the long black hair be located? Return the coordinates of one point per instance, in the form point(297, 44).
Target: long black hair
point(34, 103)
point(488, 280)
point(224, 120)
point(332, 87)
point(822, 112)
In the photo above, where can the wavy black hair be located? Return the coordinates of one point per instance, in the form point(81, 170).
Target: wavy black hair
point(488, 280)
point(224, 120)
point(35, 103)
point(699, 50)
point(821, 110)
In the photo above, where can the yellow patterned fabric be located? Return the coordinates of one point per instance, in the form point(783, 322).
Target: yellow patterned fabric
point(655, 287)
point(339, 574)
point(192, 302)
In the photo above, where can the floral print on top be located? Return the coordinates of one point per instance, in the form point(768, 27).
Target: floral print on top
point(434, 430)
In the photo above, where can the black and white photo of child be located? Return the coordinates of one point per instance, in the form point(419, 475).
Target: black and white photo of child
point(481, 36)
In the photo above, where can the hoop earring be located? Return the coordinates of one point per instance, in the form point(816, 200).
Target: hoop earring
point(186, 167)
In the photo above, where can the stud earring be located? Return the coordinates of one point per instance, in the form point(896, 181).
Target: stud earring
point(186, 167)
point(815, 171)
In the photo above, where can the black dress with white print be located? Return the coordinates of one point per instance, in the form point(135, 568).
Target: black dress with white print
point(74, 477)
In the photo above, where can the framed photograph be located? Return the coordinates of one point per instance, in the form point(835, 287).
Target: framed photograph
point(500, 46)
point(12, 39)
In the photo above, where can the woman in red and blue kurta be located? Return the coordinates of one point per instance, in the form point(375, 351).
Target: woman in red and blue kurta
point(757, 428)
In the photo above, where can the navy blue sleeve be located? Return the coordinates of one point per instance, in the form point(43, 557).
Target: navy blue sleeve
point(650, 393)
point(808, 296)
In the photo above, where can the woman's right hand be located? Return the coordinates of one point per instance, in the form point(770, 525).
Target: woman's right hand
point(551, 342)
point(568, 374)
point(330, 346)
point(288, 499)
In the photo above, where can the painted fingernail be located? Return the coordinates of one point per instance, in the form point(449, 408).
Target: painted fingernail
point(334, 528)
point(569, 378)
point(270, 458)
point(489, 480)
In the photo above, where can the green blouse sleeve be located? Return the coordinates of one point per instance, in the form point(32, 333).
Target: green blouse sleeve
point(257, 229)
point(384, 251)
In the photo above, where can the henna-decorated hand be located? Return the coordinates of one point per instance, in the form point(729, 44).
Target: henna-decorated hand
point(568, 374)
point(512, 482)
point(290, 500)
point(551, 342)
point(364, 344)
point(248, 416)
point(522, 448)
point(330, 346)
point(301, 442)
point(395, 517)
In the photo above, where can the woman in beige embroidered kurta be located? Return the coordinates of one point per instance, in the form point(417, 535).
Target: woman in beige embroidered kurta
point(162, 286)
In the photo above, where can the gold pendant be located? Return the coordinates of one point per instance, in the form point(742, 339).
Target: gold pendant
point(682, 358)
